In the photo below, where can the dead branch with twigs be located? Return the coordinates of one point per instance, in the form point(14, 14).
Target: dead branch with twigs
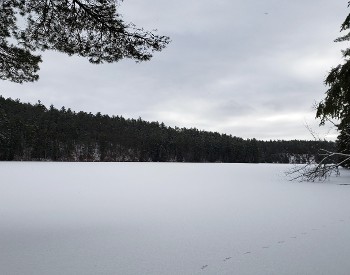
point(328, 165)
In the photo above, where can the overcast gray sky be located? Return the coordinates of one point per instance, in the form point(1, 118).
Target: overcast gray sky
point(230, 68)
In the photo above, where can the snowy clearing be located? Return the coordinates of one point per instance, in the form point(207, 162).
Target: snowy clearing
point(170, 218)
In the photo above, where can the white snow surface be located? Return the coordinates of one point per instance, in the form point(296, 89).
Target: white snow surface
point(170, 218)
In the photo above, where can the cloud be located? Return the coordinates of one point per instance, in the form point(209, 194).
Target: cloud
point(230, 67)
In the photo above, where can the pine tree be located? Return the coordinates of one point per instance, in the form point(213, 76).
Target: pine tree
point(89, 28)
point(336, 105)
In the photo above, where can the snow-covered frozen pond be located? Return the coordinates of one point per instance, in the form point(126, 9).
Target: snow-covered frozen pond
point(151, 218)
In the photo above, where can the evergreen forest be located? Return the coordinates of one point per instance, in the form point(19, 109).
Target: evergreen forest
point(34, 132)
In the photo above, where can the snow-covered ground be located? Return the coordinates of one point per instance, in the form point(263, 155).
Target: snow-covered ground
point(151, 218)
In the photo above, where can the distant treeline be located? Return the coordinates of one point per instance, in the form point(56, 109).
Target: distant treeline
point(33, 132)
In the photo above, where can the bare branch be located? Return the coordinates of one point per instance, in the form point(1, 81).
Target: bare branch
point(327, 166)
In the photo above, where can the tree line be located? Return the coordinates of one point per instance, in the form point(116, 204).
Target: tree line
point(34, 132)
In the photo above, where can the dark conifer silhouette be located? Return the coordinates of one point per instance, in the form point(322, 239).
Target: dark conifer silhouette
point(88, 28)
point(34, 132)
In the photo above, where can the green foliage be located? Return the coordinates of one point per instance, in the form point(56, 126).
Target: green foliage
point(33, 132)
point(336, 104)
point(88, 28)
point(343, 145)
point(16, 63)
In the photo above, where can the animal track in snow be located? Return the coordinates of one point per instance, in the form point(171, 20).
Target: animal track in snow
point(291, 237)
